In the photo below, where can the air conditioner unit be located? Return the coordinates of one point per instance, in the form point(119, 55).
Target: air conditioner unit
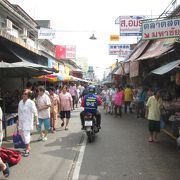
point(24, 32)
point(9, 24)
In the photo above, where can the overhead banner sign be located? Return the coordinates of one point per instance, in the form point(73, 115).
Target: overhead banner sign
point(167, 28)
point(60, 52)
point(45, 33)
point(122, 50)
point(130, 25)
point(70, 52)
point(53, 64)
point(114, 38)
point(65, 52)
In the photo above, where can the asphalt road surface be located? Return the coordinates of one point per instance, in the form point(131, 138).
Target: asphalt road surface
point(120, 152)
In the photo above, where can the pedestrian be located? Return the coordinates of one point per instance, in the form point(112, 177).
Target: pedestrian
point(108, 102)
point(73, 92)
point(153, 113)
point(128, 98)
point(4, 167)
point(55, 109)
point(118, 101)
point(141, 99)
point(112, 98)
point(27, 113)
point(66, 106)
point(43, 104)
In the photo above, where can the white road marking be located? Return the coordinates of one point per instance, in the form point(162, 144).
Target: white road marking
point(80, 159)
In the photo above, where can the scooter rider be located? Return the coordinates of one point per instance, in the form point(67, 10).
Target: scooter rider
point(90, 102)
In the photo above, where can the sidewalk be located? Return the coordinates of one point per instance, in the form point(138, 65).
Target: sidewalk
point(52, 159)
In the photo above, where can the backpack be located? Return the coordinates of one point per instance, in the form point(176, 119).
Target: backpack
point(10, 156)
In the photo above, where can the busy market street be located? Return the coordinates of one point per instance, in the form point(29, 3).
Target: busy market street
point(120, 151)
point(90, 90)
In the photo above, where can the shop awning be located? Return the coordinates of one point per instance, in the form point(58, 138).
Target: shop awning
point(167, 68)
point(157, 48)
point(139, 49)
point(11, 52)
point(21, 70)
point(123, 68)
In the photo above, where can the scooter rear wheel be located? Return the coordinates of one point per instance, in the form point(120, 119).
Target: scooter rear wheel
point(90, 136)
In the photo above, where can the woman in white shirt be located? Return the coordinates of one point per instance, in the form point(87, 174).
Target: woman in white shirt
point(27, 112)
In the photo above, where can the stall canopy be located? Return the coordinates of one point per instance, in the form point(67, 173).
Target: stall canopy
point(167, 68)
point(22, 69)
point(139, 49)
point(158, 48)
point(11, 52)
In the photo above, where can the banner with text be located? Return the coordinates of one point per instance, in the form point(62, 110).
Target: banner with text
point(45, 33)
point(65, 52)
point(130, 25)
point(122, 50)
point(166, 28)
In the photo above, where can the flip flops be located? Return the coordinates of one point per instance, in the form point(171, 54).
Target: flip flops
point(26, 153)
point(6, 172)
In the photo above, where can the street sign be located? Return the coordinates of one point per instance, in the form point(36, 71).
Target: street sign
point(114, 37)
point(130, 25)
point(167, 28)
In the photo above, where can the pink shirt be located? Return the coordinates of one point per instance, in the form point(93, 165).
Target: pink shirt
point(65, 101)
point(118, 98)
point(73, 90)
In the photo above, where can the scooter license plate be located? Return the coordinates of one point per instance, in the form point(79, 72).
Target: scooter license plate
point(88, 123)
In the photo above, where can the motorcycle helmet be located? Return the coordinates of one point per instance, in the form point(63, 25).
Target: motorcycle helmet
point(91, 89)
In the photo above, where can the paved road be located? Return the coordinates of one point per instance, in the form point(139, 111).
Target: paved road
point(120, 152)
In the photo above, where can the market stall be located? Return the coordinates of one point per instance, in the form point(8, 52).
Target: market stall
point(9, 95)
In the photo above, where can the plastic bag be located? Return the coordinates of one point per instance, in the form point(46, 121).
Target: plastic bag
point(17, 140)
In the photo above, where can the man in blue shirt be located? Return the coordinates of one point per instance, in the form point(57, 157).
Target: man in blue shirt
point(90, 102)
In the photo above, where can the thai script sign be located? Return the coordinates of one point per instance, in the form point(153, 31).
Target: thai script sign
point(161, 29)
point(70, 51)
point(122, 50)
point(65, 51)
point(114, 38)
point(130, 25)
point(45, 33)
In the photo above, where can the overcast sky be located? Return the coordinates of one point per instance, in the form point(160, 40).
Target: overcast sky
point(90, 16)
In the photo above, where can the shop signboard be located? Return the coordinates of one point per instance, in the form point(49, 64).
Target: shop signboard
point(67, 70)
point(130, 25)
point(166, 28)
point(46, 33)
point(122, 50)
point(65, 52)
point(53, 64)
point(114, 37)
point(70, 51)
point(60, 52)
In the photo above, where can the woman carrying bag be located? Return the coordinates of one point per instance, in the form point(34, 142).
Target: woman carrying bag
point(27, 113)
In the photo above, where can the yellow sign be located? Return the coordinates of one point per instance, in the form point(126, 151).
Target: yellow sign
point(114, 37)
point(67, 70)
